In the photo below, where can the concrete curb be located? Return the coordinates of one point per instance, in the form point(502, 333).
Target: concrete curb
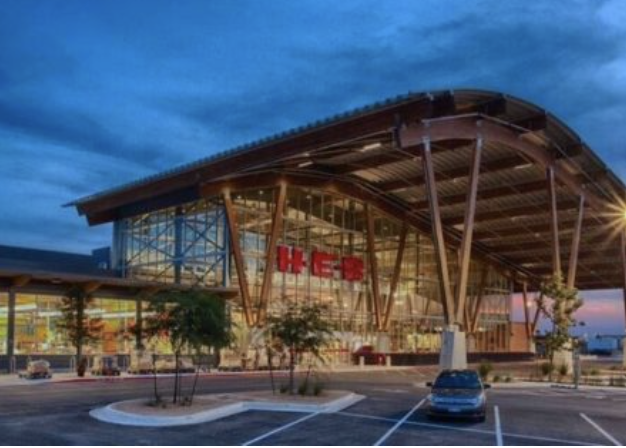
point(11, 380)
point(109, 414)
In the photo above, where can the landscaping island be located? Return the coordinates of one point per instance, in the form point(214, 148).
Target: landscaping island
point(207, 408)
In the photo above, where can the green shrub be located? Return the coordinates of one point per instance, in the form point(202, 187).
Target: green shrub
point(283, 389)
point(484, 369)
point(508, 379)
point(496, 378)
point(594, 372)
point(546, 368)
point(563, 369)
point(303, 388)
point(318, 389)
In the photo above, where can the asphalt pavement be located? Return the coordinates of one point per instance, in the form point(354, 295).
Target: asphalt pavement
point(392, 414)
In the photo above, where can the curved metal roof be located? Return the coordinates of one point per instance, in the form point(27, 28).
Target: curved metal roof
point(361, 151)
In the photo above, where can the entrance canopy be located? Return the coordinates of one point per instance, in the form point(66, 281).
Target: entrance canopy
point(481, 172)
point(46, 282)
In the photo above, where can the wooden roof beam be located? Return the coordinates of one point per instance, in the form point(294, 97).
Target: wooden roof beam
point(392, 156)
point(494, 193)
point(533, 245)
point(525, 210)
point(533, 123)
point(496, 233)
point(21, 281)
point(503, 133)
point(453, 173)
point(91, 287)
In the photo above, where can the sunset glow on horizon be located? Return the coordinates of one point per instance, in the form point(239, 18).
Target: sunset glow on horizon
point(602, 312)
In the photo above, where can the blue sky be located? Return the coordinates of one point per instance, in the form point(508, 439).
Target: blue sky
point(93, 94)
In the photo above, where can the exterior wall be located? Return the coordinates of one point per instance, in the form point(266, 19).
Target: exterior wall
point(186, 244)
point(190, 244)
point(519, 340)
point(37, 332)
point(4, 322)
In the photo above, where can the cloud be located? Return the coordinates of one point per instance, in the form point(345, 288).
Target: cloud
point(93, 95)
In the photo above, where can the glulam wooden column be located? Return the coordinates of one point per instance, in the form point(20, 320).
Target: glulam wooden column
point(441, 257)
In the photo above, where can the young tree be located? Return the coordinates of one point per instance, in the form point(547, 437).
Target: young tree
point(79, 327)
point(302, 330)
point(559, 310)
point(189, 319)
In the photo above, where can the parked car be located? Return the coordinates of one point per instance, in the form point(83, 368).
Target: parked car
point(167, 364)
point(458, 393)
point(371, 356)
point(105, 366)
point(37, 370)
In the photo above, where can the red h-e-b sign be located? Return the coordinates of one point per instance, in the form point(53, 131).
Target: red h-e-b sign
point(322, 264)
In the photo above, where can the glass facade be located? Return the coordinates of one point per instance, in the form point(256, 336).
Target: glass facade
point(4, 322)
point(322, 257)
point(185, 244)
point(37, 331)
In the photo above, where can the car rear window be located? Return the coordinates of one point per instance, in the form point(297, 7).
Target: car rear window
point(457, 380)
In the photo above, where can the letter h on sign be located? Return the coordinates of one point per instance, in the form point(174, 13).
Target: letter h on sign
point(285, 260)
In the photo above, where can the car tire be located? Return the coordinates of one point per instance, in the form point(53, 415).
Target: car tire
point(481, 419)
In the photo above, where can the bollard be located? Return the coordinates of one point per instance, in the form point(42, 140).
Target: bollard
point(13, 364)
point(388, 360)
point(362, 362)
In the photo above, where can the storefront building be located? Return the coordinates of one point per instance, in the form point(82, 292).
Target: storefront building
point(405, 219)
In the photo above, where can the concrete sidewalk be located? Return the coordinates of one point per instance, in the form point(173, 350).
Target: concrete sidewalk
point(67, 377)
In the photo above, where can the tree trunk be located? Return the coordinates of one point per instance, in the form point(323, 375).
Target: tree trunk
point(292, 367)
point(217, 358)
point(79, 358)
point(308, 374)
point(270, 355)
point(551, 365)
point(157, 399)
point(175, 398)
point(195, 382)
point(80, 317)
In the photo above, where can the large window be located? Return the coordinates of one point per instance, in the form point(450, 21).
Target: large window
point(4, 322)
point(37, 326)
point(186, 244)
point(190, 244)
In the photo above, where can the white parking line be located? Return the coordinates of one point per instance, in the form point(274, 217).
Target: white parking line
point(470, 430)
point(496, 413)
point(613, 440)
point(277, 430)
point(399, 423)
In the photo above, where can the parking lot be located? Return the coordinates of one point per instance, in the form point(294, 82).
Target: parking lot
point(392, 414)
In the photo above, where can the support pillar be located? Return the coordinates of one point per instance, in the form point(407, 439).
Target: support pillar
point(623, 254)
point(235, 247)
point(373, 267)
point(453, 350)
point(11, 330)
point(383, 342)
point(554, 222)
point(139, 325)
point(573, 258)
point(270, 255)
point(178, 245)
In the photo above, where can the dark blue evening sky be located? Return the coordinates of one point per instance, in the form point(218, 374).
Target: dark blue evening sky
point(93, 94)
